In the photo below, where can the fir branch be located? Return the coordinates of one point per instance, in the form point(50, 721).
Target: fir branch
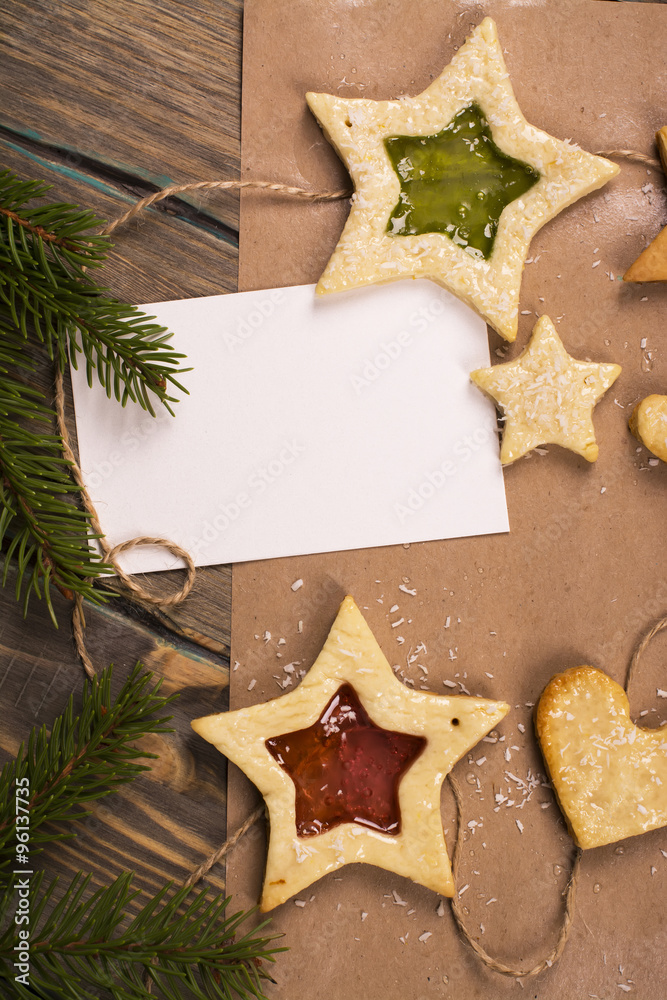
point(15, 194)
point(84, 943)
point(47, 296)
point(83, 758)
point(43, 282)
point(49, 538)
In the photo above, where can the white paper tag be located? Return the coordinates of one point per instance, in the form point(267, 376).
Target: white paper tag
point(311, 426)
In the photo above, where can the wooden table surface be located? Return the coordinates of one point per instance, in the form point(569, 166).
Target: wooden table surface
point(108, 100)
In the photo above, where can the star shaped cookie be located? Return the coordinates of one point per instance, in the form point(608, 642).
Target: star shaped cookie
point(547, 397)
point(351, 764)
point(651, 265)
point(451, 184)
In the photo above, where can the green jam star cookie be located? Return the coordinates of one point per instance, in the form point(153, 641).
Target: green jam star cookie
point(438, 174)
point(430, 202)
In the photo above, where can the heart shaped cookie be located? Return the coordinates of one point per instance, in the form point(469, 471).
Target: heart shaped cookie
point(610, 776)
point(648, 423)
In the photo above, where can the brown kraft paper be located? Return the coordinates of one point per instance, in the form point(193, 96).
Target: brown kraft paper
point(577, 580)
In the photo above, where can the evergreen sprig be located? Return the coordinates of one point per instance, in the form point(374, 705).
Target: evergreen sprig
point(83, 758)
point(48, 537)
point(44, 287)
point(48, 299)
point(81, 943)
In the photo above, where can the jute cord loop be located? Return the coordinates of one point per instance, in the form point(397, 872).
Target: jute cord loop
point(110, 555)
point(570, 892)
point(130, 584)
point(491, 963)
point(488, 960)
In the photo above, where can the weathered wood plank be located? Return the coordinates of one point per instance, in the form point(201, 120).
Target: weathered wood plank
point(153, 90)
point(161, 824)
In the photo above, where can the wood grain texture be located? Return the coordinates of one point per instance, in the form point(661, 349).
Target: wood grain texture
point(163, 824)
point(143, 93)
point(152, 89)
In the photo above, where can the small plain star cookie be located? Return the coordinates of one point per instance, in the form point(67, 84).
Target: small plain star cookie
point(547, 397)
point(351, 764)
point(610, 776)
point(451, 184)
point(648, 423)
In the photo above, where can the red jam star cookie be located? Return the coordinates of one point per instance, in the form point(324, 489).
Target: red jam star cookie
point(351, 764)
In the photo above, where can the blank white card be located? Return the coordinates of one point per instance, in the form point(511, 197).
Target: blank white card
point(311, 426)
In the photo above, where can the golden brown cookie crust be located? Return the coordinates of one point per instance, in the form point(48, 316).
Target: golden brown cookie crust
point(610, 776)
point(547, 396)
point(648, 423)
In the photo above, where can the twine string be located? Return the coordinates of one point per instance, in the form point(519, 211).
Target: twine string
point(640, 648)
point(224, 848)
point(110, 554)
point(632, 154)
point(566, 923)
point(174, 189)
point(296, 192)
point(570, 892)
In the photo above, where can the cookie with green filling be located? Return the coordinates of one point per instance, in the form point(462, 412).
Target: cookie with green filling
point(451, 184)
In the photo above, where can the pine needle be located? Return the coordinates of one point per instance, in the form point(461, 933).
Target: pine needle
point(48, 298)
point(82, 942)
point(182, 940)
point(82, 758)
